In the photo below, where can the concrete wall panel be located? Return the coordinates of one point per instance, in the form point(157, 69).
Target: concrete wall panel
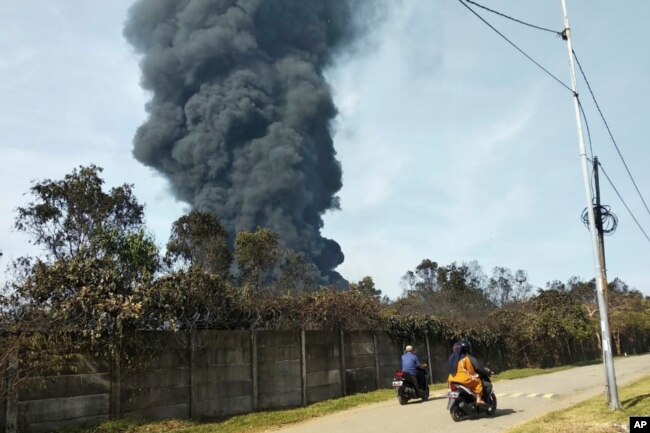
point(68, 385)
point(48, 427)
point(136, 399)
point(225, 407)
point(179, 411)
point(61, 409)
point(225, 390)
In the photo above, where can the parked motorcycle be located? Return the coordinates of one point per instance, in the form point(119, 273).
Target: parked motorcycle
point(406, 387)
point(462, 401)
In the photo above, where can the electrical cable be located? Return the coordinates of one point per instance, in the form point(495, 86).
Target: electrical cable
point(516, 47)
point(609, 131)
point(608, 219)
point(514, 19)
point(623, 201)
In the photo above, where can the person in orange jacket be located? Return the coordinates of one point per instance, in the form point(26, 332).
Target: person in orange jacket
point(464, 368)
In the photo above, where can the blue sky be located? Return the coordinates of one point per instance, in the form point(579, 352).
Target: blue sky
point(453, 146)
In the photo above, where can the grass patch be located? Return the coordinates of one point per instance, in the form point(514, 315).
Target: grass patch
point(252, 422)
point(521, 373)
point(594, 416)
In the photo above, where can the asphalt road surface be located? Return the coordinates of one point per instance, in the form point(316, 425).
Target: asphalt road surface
point(518, 401)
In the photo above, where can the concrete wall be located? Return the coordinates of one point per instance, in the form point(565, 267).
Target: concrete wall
point(360, 373)
point(221, 373)
point(323, 359)
point(389, 359)
point(207, 374)
point(279, 369)
point(438, 361)
point(80, 395)
point(163, 390)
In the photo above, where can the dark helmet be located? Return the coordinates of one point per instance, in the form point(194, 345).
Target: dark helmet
point(466, 346)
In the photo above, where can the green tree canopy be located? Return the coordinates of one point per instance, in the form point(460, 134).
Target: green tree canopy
point(257, 253)
point(98, 266)
point(68, 216)
point(366, 287)
point(199, 240)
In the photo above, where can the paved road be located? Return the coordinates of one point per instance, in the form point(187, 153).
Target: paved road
point(518, 401)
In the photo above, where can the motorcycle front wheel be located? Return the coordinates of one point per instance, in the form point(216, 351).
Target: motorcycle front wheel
point(492, 405)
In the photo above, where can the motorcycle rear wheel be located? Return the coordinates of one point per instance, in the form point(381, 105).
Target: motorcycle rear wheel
point(456, 413)
point(402, 400)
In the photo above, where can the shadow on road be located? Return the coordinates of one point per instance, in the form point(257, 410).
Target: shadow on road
point(482, 416)
point(504, 412)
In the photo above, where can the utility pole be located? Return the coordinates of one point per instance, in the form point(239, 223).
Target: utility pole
point(601, 278)
point(598, 215)
point(599, 227)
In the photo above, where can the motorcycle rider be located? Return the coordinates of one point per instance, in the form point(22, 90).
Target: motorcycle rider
point(464, 369)
point(411, 365)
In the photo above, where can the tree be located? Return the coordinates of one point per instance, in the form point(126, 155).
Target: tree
point(67, 216)
point(295, 274)
point(555, 321)
point(628, 311)
point(199, 240)
point(584, 292)
point(426, 272)
point(90, 286)
point(461, 293)
point(447, 291)
point(422, 279)
point(506, 289)
point(366, 287)
point(193, 299)
point(256, 253)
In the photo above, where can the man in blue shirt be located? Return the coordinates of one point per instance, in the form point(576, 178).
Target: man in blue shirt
point(411, 365)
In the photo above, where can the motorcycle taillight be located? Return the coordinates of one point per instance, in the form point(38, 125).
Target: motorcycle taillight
point(399, 374)
point(453, 387)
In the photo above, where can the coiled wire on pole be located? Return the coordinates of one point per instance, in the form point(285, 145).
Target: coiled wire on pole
point(609, 220)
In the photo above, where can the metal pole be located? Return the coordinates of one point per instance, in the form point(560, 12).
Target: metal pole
point(601, 254)
point(601, 279)
point(599, 226)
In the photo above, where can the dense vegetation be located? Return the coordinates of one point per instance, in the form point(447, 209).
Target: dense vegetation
point(102, 280)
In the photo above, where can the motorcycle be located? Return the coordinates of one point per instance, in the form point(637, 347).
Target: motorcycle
point(462, 400)
point(406, 387)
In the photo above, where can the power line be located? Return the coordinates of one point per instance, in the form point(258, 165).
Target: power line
point(516, 47)
point(582, 111)
point(514, 19)
point(609, 131)
point(624, 204)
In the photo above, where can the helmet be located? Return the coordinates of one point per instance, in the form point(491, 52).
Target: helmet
point(466, 345)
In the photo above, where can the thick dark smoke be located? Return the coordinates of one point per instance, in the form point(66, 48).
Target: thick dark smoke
point(240, 115)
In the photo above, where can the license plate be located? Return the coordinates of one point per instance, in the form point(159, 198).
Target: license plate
point(397, 383)
point(453, 394)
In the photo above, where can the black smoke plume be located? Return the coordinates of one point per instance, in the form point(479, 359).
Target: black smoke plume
point(239, 120)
